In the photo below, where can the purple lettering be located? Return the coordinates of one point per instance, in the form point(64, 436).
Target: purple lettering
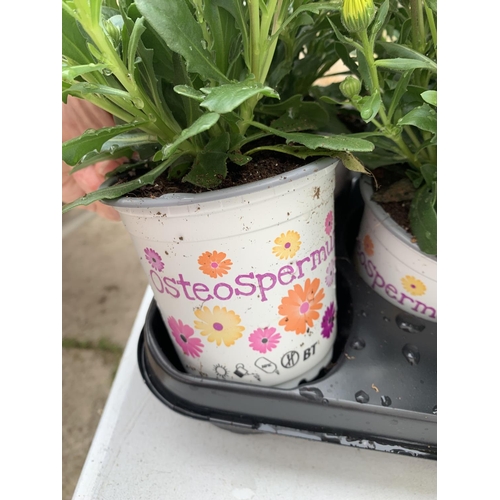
point(285, 270)
point(403, 297)
point(170, 289)
point(378, 281)
point(329, 245)
point(153, 273)
point(201, 288)
point(318, 253)
point(216, 290)
point(424, 309)
point(238, 282)
point(371, 268)
point(262, 288)
point(184, 285)
point(392, 289)
point(299, 266)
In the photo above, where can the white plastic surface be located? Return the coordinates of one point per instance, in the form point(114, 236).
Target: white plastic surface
point(144, 450)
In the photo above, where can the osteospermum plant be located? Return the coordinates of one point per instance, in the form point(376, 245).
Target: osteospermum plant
point(389, 85)
point(188, 82)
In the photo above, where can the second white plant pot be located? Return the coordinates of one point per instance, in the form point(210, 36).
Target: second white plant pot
point(394, 266)
point(244, 277)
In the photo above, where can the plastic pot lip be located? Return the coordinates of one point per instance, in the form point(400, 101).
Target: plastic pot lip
point(388, 222)
point(178, 199)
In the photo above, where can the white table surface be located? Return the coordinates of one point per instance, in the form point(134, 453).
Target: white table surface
point(144, 450)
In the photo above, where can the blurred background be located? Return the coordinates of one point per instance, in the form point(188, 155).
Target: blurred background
point(102, 287)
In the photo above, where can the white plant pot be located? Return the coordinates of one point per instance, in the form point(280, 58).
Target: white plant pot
point(391, 264)
point(244, 278)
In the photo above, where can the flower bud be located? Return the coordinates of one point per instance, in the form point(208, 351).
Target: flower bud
point(350, 87)
point(357, 15)
point(113, 32)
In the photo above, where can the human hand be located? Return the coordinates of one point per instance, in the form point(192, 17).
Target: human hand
point(77, 117)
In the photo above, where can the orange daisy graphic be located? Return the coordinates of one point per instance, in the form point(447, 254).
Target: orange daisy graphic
point(300, 308)
point(368, 245)
point(214, 264)
point(413, 285)
point(287, 245)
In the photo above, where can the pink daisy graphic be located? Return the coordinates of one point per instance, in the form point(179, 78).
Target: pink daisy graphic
point(329, 223)
point(330, 273)
point(264, 339)
point(154, 259)
point(183, 334)
point(328, 321)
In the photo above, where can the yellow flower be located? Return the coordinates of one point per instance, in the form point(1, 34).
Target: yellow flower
point(413, 285)
point(219, 325)
point(357, 15)
point(288, 245)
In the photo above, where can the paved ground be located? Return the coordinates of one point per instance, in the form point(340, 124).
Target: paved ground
point(102, 288)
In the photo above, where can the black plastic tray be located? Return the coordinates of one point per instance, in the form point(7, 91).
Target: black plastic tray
point(378, 392)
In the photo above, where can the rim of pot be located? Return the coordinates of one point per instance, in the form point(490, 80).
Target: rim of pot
point(366, 189)
point(177, 199)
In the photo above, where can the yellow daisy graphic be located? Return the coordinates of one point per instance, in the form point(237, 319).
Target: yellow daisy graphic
point(413, 285)
point(219, 325)
point(287, 245)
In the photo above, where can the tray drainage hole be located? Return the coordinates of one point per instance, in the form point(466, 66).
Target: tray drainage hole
point(362, 397)
point(411, 353)
point(409, 324)
point(435, 410)
point(358, 344)
point(386, 400)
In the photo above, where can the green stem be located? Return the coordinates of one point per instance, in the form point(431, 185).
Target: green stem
point(417, 26)
point(412, 136)
point(368, 50)
point(432, 26)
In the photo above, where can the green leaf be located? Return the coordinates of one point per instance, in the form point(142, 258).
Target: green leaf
point(397, 50)
point(177, 26)
point(118, 190)
point(72, 72)
point(429, 173)
point(303, 115)
point(423, 117)
point(204, 122)
point(379, 21)
point(400, 64)
point(190, 92)
point(74, 45)
point(430, 97)
point(209, 167)
point(96, 88)
point(423, 218)
point(399, 92)
point(239, 159)
point(135, 38)
point(369, 106)
point(432, 4)
point(92, 140)
point(315, 141)
point(226, 98)
point(94, 157)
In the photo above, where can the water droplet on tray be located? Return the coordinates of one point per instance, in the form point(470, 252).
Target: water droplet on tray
point(312, 393)
point(411, 353)
point(385, 400)
point(358, 344)
point(409, 324)
point(362, 397)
